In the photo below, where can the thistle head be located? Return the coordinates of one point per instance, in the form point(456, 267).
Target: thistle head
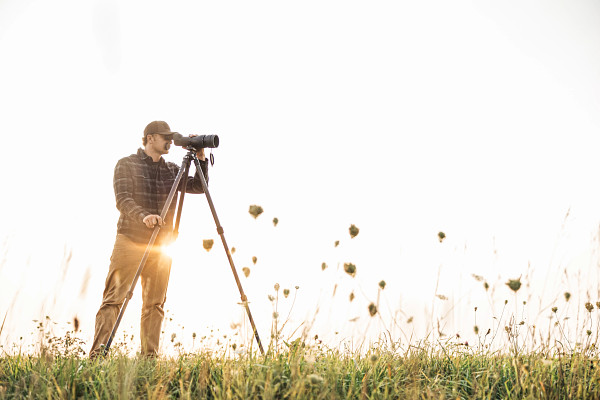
point(350, 269)
point(353, 231)
point(207, 244)
point(441, 236)
point(589, 306)
point(514, 284)
point(372, 309)
point(255, 211)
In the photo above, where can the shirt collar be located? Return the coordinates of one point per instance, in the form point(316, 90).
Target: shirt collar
point(145, 157)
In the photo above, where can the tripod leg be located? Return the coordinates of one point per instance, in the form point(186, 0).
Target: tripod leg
point(221, 233)
point(184, 167)
point(181, 197)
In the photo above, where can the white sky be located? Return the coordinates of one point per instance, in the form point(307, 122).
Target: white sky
point(479, 119)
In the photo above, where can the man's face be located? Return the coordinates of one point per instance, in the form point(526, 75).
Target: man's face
point(162, 143)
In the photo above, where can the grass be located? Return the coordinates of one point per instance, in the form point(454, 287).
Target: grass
point(426, 371)
point(510, 358)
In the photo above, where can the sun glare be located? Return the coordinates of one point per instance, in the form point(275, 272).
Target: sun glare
point(170, 249)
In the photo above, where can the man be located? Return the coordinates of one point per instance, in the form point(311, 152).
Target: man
point(142, 183)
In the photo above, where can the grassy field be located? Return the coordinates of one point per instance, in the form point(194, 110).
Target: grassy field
point(509, 357)
point(441, 371)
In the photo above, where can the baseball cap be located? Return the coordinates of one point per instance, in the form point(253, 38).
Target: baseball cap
point(160, 127)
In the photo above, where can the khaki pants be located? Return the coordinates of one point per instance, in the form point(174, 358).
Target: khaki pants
point(124, 262)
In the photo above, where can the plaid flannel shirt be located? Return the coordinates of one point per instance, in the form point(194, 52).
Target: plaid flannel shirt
point(139, 195)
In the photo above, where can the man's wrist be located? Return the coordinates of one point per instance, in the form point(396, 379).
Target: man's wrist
point(143, 215)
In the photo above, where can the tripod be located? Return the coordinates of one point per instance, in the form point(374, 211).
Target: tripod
point(184, 170)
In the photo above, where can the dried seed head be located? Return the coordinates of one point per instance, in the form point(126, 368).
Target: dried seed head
point(315, 379)
point(255, 211)
point(276, 287)
point(208, 244)
point(588, 332)
point(476, 329)
point(271, 298)
point(233, 250)
point(567, 296)
point(409, 320)
point(372, 309)
point(275, 315)
point(350, 269)
point(478, 278)
point(382, 284)
point(441, 236)
point(75, 323)
point(173, 336)
point(486, 285)
point(351, 296)
point(275, 221)
point(589, 306)
point(323, 267)
point(194, 335)
point(554, 309)
point(353, 231)
point(254, 260)
point(286, 293)
point(374, 358)
point(336, 244)
point(514, 284)
point(441, 297)
point(246, 271)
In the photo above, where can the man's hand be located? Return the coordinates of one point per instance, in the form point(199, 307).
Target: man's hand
point(152, 220)
point(200, 153)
